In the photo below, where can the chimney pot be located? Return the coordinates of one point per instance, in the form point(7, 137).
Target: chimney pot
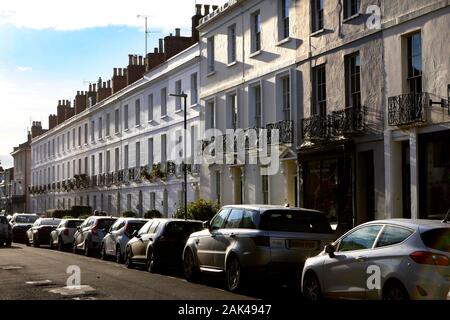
point(130, 59)
point(198, 9)
point(214, 8)
point(115, 72)
point(155, 50)
point(140, 60)
point(161, 47)
point(177, 32)
point(109, 84)
point(206, 6)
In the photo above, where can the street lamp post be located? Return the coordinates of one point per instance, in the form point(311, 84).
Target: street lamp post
point(184, 96)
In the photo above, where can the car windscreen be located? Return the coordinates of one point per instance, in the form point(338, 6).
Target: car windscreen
point(438, 239)
point(26, 219)
point(133, 226)
point(50, 222)
point(73, 224)
point(105, 223)
point(182, 228)
point(295, 221)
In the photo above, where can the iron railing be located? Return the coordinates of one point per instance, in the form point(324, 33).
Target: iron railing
point(345, 122)
point(408, 109)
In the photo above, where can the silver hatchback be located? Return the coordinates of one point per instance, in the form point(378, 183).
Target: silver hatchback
point(241, 238)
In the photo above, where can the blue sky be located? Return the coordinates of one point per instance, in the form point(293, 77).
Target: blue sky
point(48, 48)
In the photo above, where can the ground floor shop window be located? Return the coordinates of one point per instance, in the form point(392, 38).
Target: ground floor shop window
point(434, 167)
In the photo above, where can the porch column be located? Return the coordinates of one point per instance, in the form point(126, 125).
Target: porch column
point(414, 167)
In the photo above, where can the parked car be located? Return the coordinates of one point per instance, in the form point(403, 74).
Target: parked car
point(410, 259)
point(160, 242)
point(115, 242)
point(40, 231)
point(62, 236)
point(273, 239)
point(20, 223)
point(89, 235)
point(5, 231)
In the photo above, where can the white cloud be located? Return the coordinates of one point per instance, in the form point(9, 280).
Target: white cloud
point(24, 69)
point(81, 14)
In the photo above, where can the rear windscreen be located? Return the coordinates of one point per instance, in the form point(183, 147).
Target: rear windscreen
point(438, 239)
point(26, 219)
point(133, 226)
point(183, 228)
point(50, 222)
point(105, 223)
point(73, 224)
point(295, 221)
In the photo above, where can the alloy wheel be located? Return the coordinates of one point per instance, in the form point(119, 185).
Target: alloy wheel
point(118, 255)
point(234, 274)
point(396, 293)
point(311, 288)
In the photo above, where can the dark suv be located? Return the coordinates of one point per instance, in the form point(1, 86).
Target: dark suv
point(90, 233)
point(5, 231)
point(20, 223)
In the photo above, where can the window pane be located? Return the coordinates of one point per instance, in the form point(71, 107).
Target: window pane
point(219, 219)
point(234, 219)
point(392, 235)
point(360, 239)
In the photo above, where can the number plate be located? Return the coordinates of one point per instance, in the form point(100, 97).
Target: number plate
point(303, 244)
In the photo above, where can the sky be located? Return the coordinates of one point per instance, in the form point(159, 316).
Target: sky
point(49, 49)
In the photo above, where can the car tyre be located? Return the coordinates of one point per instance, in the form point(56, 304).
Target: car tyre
point(119, 258)
point(311, 287)
point(191, 272)
point(87, 251)
point(60, 245)
point(395, 291)
point(74, 248)
point(103, 255)
point(36, 243)
point(8, 243)
point(233, 274)
point(152, 265)
point(128, 260)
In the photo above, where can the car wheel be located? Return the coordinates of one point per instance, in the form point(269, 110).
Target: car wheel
point(8, 243)
point(27, 242)
point(128, 260)
point(119, 258)
point(74, 248)
point(36, 243)
point(103, 252)
point(311, 287)
point(233, 274)
point(51, 244)
point(60, 245)
point(191, 272)
point(87, 252)
point(396, 292)
point(152, 265)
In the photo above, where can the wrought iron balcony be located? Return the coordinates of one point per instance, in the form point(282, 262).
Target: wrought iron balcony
point(285, 129)
point(408, 109)
point(345, 122)
point(170, 168)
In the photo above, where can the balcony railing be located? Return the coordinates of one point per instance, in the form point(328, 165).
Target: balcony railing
point(346, 122)
point(408, 109)
point(285, 129)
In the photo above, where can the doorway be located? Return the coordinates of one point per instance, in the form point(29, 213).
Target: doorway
point(406, 181)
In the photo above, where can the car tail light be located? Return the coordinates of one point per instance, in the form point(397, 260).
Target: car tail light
point(425, 257)
point(261, 241)
point(66, 232)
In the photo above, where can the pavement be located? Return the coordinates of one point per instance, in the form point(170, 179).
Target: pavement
point(28, 273)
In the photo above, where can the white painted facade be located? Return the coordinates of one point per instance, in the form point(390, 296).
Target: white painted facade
point(230, 77)
point(95, 142)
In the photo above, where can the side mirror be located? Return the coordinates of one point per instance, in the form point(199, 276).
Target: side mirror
point(330, 249)
point(78, 228)
point(206, 225)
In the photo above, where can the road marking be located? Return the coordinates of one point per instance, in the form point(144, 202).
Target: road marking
point(12, 267)
point(39, 283)
point(73, 290)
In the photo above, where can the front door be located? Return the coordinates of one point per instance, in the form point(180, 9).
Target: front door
point(345, 273)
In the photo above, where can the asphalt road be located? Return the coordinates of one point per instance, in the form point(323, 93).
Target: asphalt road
point(28, 273)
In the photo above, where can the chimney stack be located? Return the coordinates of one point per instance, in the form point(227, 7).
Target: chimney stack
point(119, 80)
point(52, 121)
point(104, 90)
point(195, 22)
point(135, 69)
point(80, 102)
point(36, 129)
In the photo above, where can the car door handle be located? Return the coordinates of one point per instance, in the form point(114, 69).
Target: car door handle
point(361, 258)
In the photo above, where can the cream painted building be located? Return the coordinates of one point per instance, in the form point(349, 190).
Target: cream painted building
point(248, 80)
point(118, 154)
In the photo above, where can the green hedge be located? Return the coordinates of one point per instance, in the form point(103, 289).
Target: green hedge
point(201, 209)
